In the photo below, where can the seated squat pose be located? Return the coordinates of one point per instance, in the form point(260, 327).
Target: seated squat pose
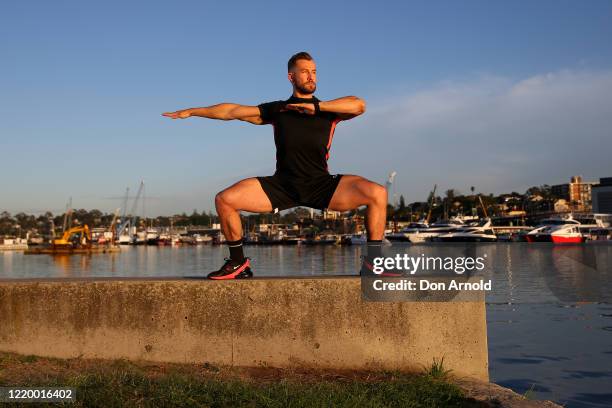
point(303, 131)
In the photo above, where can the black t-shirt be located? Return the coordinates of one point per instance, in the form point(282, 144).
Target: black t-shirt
point(302, 141)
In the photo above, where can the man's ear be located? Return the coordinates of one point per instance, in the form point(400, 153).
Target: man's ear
point(290, 76)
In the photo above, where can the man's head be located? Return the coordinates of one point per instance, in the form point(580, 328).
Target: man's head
point(302, 73)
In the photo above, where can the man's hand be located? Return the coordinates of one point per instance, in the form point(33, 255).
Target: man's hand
point(181, 114)
point(221, 111)
point(306, 108)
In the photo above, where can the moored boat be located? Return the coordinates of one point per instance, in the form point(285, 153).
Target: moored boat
point(413, 229)
point(481, 232)
point(557, 230)
point(435, 230)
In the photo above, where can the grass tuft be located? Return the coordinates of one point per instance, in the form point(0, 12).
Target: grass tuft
point(437, 371)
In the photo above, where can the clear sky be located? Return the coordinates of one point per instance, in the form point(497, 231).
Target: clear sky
point(498, 95)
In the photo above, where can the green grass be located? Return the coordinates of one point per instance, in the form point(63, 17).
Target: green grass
point(437, 370)
point(125, 388)
point(122, 383)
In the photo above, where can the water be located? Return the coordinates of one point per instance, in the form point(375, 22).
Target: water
point(549, 314)
point(561, 352)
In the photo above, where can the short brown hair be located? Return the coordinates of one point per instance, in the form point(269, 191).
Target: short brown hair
point(299, 56)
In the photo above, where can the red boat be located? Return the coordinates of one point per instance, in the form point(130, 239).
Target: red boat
point(560, 231)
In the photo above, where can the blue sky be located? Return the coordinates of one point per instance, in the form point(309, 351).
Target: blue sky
point(499, 95)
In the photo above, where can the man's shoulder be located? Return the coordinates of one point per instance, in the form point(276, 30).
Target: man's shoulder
point(268, 111)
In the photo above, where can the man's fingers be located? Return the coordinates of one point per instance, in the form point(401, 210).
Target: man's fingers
point(297, 107)
point(173, 115)
point(300, 107)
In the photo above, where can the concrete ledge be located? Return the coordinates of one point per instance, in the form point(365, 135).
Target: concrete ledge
point(280, 322)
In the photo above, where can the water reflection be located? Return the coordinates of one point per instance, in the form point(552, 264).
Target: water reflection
point(560, 352)
point(541, 338)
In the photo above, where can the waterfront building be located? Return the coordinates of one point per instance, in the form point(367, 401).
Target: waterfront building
point(602, 196)
point(330, 214)
point(577, 192)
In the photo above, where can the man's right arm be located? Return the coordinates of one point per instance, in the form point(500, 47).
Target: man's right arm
point(222, 111)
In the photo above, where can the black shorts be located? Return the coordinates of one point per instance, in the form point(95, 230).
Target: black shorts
point(285, 192)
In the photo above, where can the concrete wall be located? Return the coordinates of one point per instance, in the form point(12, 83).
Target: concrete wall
point(312, 322)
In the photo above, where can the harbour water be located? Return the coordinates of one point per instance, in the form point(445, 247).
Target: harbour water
point(549, 313)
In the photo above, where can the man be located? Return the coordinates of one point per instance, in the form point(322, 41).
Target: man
point(303, 131)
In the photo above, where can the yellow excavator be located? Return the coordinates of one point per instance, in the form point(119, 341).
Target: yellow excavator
point(77, 237)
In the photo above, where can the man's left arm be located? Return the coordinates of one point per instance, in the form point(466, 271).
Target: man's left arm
point(345, 108)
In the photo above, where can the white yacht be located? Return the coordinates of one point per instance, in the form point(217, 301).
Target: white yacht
point(124, 239)
point(203, 239)
point(476, 232)
point(152, 236)
point(402, 235)
point(435, 230)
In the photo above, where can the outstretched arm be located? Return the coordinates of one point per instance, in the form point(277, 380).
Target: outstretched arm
point(222, 111)
point(346, 107)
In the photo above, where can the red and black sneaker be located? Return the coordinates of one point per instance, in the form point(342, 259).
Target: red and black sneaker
point(367, 269)
point(233, 270)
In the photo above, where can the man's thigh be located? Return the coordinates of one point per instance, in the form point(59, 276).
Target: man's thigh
point(352, 192)
point(247, 195)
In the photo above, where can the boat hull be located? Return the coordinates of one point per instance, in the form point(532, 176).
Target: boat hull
point(468, 239)
point(397, 238)
point(539, 238)
point(559, 239)
point(72, 251)
point(320, 242)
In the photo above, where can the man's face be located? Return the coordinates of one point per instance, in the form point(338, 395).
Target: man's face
point(303, 76)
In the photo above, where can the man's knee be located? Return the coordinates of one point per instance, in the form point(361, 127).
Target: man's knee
point(223, 199)
point(377, 194)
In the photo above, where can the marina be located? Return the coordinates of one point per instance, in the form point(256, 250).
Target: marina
point(546, 272)
point(541, 336)
point(507, 218)
point(560, 229)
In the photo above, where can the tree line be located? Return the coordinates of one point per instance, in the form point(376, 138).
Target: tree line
point(452, 203)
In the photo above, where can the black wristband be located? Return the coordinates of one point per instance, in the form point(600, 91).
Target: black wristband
point(317, 107)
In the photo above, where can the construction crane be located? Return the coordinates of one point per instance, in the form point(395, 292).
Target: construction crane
point(484, 209)
point(431, 202)
point(125, 204)
point(67, 215)
point(135, 205)
point(390, 183)
point(123, 221)
point(113, 225)
point(52, 228)
point(129, 219)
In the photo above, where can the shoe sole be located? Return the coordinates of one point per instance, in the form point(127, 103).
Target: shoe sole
point(242, 273)
point(206, 277)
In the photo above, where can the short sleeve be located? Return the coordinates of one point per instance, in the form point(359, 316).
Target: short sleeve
point(333, 117)
point(269, 110)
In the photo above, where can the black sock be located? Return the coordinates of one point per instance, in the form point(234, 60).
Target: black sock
point(374, 248)
point(235, 248)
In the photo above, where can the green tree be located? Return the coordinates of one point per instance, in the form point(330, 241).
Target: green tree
point(402, 204)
